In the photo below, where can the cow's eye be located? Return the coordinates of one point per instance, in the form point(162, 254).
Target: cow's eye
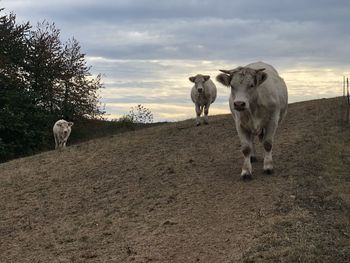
point(252, 85)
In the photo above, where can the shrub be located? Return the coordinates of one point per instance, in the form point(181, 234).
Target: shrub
point(140, 114)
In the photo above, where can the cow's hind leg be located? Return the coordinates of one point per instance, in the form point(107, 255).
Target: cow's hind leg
point(247, 149)
point(268, 163)
point(199, 110)
point(60, 142)
point(253, 153)
point(267, 143)
point(206, 111)
point(261, 135)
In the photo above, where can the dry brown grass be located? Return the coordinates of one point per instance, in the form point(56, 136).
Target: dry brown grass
point(172, 194)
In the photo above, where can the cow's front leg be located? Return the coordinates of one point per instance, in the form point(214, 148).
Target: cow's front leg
point(56, 141)
point(61, 142)
point(247, 148)
point(267, 143)
point(206, 111)
point(199, 110)
point(253, 153)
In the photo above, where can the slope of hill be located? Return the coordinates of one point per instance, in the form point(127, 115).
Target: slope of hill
point(172, 193)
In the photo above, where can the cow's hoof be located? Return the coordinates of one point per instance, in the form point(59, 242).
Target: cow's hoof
point(246, 176)
point(198, 123)
point(268, 171)
point(253, 159)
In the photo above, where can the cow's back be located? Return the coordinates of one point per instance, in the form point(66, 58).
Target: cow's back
point(210, 88)
point(273, 91)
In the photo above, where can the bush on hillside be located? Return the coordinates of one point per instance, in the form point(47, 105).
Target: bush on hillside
point(140, 114)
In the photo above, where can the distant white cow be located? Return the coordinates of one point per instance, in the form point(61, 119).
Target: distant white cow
point(258, 103)
point(61, 132)
point(203, 94)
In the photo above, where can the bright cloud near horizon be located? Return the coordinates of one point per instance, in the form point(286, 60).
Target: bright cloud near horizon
point(147, 49)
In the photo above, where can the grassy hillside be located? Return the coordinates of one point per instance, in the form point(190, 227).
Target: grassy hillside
point(172, 193)
point(83, 130)
point(86, 129)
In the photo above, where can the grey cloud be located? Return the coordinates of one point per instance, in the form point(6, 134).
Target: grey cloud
point(229, 39)
point(152, 9)
point(193, 29)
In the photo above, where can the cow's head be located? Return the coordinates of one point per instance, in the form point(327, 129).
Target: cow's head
point(198, 81)
point(244, 83)
point(65, 126)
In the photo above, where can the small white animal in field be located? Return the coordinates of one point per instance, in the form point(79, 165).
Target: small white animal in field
point(61, 132)
point(258, 102)
point(203, 94)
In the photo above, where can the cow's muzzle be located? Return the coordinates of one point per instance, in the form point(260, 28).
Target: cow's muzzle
point(239, 105)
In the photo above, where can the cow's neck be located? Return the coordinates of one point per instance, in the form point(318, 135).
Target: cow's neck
point(202, 96)
point(252, 119)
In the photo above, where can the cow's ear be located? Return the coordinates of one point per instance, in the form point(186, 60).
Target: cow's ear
point(260, 77)
point(224, 79)
point(192, 79)
point(206, 77)
point(70, 124)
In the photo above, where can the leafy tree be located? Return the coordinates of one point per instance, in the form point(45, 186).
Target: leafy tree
point(45, 66)
point(15, 102)
point(79, 97)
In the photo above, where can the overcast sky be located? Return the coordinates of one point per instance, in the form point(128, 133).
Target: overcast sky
point(147, 49)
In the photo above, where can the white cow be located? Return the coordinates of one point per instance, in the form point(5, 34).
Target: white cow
point(203, 93)
point(61, 132)
point(258, 103)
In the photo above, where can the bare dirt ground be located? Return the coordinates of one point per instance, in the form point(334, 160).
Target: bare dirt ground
point(173, 194)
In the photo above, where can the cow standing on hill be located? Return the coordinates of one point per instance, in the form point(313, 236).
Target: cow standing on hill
point(258, 103)
point(61, 132)
point(203, 93)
